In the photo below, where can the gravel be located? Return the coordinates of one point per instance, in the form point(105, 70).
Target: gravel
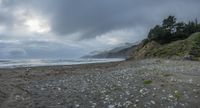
point(173, 84)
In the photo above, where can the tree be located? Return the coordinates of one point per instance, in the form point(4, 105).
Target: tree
point(190, 28)
point(180, 27)
point(196, 22)
point(169, 23)
point(159, 35)
point(179, 33)
point(155, 33)
point(172, 31)
point(197, 25)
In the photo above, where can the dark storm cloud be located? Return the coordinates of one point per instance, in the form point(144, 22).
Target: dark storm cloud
point(95, 17)
point(117, 21)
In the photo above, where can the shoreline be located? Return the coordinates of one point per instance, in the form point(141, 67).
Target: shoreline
point(150, 83)
point(94, 61)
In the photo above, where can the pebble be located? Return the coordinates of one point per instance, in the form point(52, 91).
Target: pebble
point(182, 104)
point(94, 105)
point(111, 106)
point(137, 100)
point(127, 93)
point(153, 94)
point(194, 90)
point(153, 102)
point(17, 97)
point(163, 98)
point(173, 80)
point(59, 88)
point(77, 105)
point(119, 104)
point(42, 88)
point(171, 96)
point(176, 91)
point(144, 91)
point(128, 103)
point(190, 81)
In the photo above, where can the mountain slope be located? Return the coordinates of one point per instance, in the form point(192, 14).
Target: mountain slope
point(181, 49)
point(118, 52)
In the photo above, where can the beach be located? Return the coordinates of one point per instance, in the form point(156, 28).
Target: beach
point(148, 83)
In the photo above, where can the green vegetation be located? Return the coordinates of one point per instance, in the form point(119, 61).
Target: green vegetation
point(167, 75)
point(147, 81)
point(172, 39)
point(177, 95)
point(170, 30)
point(189, 47)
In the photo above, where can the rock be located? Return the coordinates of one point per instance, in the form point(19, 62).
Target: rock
point(127, 103)
point(77, 105)
point(59, 88)
point(127, 93)
point(171, 96)
point(153, 102)
point(41, 88)
point(137, 100)
point(190, 81)
point(144, 91)
point(188, 57)
point(111, 106)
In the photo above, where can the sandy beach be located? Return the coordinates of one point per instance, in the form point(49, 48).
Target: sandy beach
point(150, 83)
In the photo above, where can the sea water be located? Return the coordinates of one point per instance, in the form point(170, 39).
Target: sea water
point(12, 63)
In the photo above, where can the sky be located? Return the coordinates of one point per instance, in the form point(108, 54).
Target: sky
point(73, 28)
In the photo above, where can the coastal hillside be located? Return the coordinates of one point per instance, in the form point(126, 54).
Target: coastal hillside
point(174, 40)
point(181, 49)
point(119, 52)
point(186, 49)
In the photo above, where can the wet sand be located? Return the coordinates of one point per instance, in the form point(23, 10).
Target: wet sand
point(153, 83)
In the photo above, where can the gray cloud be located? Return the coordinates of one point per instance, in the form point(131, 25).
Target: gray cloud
point(95, 21)
point(38, 49)
point(96, 17)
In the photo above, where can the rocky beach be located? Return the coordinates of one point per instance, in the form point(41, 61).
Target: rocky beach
point(149, 83)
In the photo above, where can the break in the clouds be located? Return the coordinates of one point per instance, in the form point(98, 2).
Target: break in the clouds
point(71, 28)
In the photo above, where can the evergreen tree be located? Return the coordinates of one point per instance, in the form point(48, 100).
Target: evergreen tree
point(169, 23)
point(172, 31)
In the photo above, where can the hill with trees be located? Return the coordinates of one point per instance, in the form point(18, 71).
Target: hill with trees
point(172, 39)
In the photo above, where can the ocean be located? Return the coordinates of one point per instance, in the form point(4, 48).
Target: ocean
point(12, 63)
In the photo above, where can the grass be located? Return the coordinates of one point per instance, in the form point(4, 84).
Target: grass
point(178, 48)
point(177, 95)
point(167, 75)
point(147, 81)
point(189, 46)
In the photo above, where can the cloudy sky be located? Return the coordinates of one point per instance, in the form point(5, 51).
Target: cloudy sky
point(72, 28)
